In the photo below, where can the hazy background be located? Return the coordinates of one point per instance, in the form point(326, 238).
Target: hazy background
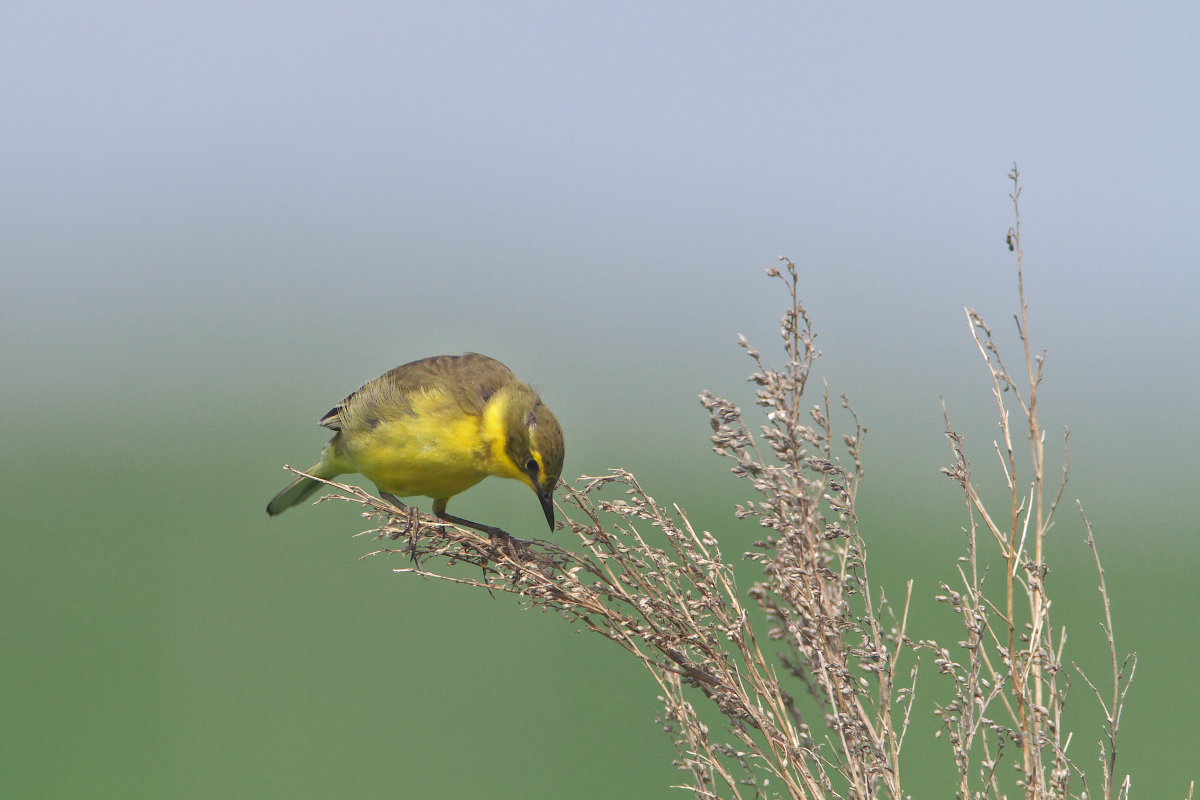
point(218, 219)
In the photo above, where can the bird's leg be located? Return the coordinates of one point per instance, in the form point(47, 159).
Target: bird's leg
point(491, 531)
point(500, 539)
point(391, 498)
point(439, 510)
point(412, 521)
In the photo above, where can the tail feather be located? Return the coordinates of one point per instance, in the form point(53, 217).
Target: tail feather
point(296, 492)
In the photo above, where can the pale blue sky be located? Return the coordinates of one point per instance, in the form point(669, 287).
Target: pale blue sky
point(226, 192)
point(301, 195)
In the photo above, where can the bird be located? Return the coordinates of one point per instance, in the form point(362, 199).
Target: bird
point(436, 427)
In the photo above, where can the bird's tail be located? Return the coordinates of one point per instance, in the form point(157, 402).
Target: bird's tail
point(298, 490)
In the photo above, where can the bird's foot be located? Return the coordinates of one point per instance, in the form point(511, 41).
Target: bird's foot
point(411, 530)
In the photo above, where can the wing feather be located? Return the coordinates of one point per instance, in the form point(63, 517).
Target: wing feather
point(471, 378)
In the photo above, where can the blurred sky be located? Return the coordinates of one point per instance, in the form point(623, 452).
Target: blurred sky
point(224, 205)
point(231, 214)
point(190, 185)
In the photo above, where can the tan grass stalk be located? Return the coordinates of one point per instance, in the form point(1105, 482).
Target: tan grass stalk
point(642, 576)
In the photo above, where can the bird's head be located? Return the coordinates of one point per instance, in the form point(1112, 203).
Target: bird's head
point(534, 445)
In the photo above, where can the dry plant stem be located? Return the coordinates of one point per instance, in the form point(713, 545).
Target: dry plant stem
point(1022, 665)
point(647, 580)
point(1122, 679)
point(1014, 651)
point(674, 609)
point(816, 587)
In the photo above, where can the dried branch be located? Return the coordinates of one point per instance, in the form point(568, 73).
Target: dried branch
point(644, 578)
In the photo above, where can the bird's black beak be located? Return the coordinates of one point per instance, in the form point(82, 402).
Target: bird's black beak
point(547, 501)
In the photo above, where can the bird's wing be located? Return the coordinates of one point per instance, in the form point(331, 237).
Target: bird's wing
point(471, 378)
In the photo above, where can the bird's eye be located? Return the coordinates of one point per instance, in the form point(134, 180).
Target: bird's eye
point(532, 466)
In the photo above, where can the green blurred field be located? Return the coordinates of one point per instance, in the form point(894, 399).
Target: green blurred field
point(165, 639)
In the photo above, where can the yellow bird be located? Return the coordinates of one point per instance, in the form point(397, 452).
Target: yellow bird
point(436, 427)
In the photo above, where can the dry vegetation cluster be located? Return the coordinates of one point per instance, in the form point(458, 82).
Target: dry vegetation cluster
point(644, 578)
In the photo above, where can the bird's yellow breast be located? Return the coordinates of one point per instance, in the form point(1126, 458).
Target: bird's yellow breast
point(433, 448)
